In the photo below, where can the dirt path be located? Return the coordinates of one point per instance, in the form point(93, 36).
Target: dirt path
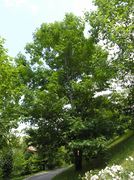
point(46, 176)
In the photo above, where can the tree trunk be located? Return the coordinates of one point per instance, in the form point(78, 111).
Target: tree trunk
point(78, 159)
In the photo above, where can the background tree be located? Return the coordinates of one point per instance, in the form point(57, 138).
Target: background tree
point(112, 23)
point(112, 26)
point(10, 95)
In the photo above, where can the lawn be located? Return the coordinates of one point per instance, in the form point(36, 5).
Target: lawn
point(121, 151)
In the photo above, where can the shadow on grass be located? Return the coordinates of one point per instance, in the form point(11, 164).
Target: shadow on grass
point(121, 151)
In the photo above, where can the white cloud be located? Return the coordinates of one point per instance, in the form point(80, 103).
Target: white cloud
point(24, 4)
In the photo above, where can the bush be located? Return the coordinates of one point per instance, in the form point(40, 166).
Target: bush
point(31, 165)
point(19, 160)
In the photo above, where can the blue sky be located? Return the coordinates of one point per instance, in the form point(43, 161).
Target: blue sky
point(20, 18)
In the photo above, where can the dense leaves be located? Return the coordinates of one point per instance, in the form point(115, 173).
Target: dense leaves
point(10, 95)
point(112, 26)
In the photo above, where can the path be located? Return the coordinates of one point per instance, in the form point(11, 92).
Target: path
point(47, 175)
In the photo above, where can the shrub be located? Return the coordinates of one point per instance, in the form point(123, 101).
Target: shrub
point(19, 160)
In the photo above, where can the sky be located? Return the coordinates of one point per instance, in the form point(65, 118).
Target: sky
point(20, 18)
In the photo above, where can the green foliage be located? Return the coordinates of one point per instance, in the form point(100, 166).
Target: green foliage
point(62, 157)
point(112, 22)
point(18, 149)
point(30, 165)
point(10, 95)
point(19, 161)
point(24, 162)
point(112, 26)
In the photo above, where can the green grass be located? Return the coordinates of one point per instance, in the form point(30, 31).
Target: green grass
point(121, 148)
point(121, 151)
point(120, 139)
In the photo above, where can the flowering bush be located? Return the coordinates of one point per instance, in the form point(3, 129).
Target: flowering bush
point(114, 172)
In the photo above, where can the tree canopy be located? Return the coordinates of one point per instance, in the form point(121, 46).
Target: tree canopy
point(112, 23)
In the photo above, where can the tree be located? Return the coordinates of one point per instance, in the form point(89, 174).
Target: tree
point(112, 25)
point(10, 95)
point(68, 70)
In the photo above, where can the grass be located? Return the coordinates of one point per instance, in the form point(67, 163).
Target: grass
point(122, 151)
point(121, 148)
point(120, 139)
point(19, 178)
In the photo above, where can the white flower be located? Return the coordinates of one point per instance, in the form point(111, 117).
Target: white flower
point(116, 178)
point(115, 172)
point(116, 168)
point(131, 175)
point(111, 174)
point(131, 158)
point(87, 174)
point(101, 172)
point(95, 177)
